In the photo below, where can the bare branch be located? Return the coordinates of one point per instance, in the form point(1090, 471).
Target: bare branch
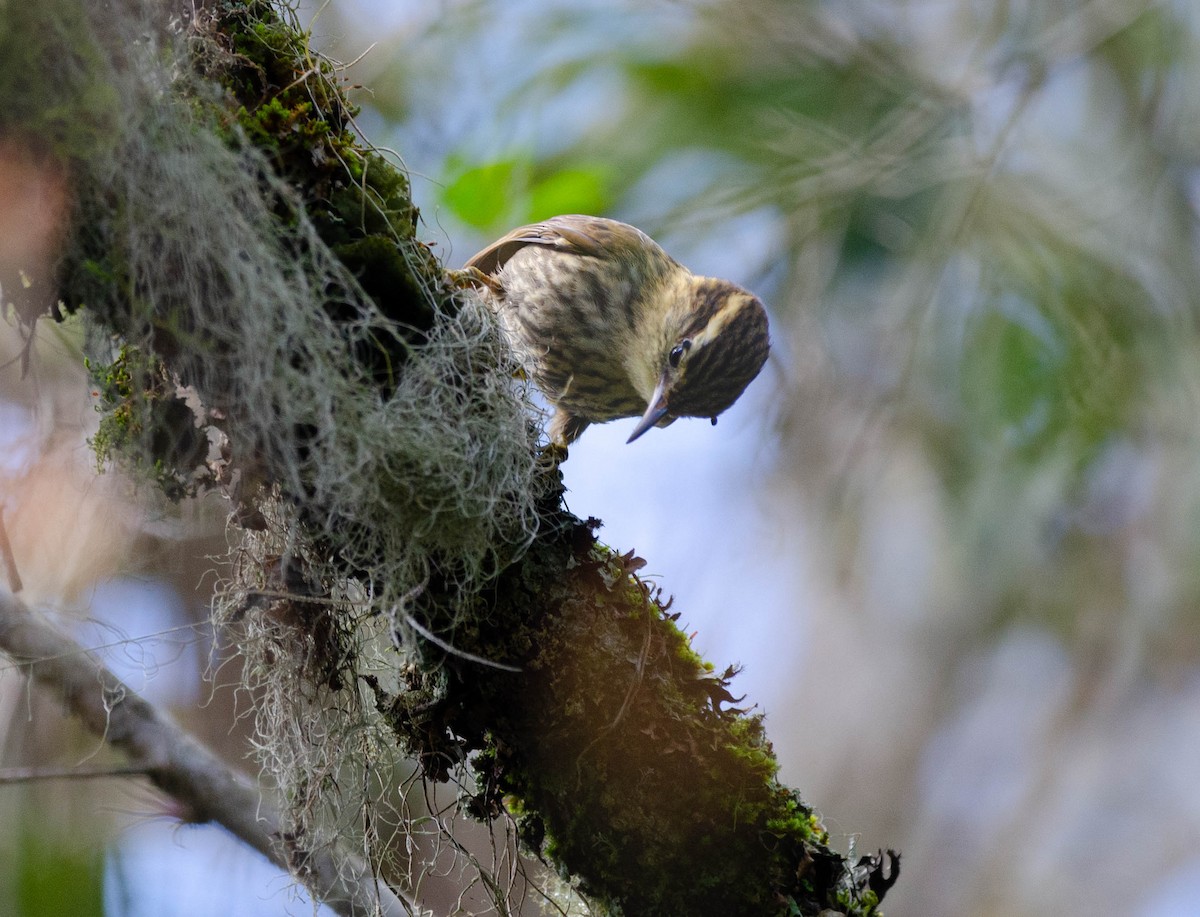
point(181, 766)
point(10, 563)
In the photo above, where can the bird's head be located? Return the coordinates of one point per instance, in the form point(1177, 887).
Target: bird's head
point(713, 341)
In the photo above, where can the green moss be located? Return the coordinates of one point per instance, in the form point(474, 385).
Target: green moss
point(293, 107)
point(857, 901)
point(623, 758)
point(53, 80)
point(137, 402)
point(264, 88)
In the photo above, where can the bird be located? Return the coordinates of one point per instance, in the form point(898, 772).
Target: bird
point(608, 325)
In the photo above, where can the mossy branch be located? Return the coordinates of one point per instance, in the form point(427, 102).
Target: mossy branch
point(262, 262)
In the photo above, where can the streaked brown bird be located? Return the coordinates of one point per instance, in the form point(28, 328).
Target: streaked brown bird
point(609, 325)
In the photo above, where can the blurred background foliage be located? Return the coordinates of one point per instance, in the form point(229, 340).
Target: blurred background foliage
point(953, 532)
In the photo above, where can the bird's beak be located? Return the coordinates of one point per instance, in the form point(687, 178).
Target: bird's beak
point(656, 412)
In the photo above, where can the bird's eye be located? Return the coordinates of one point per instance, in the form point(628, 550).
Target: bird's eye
point(678, 351)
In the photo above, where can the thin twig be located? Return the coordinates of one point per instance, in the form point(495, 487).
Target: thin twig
point(449, 648)
point(32, 774)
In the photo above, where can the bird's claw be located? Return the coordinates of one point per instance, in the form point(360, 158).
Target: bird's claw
point(554, 453)
point(473, 277)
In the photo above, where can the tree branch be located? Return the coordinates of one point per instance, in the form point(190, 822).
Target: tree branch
point(179, 765)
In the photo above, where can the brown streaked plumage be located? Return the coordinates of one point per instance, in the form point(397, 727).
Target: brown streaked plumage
point(609, 325)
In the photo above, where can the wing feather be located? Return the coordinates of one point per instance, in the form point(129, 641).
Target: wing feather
point(574, 234)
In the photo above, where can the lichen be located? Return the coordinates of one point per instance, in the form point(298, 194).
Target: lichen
point(232, 238)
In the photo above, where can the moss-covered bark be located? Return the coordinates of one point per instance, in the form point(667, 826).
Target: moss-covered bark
point(623, 755)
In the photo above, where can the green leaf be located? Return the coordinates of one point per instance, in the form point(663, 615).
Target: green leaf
point(53, 878)
point(482, 195)
point(580, 190)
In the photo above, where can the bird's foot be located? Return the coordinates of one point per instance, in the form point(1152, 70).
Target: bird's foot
point(554, 453)
point(473, 277)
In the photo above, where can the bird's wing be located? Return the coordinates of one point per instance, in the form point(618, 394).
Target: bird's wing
point(574, 234)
